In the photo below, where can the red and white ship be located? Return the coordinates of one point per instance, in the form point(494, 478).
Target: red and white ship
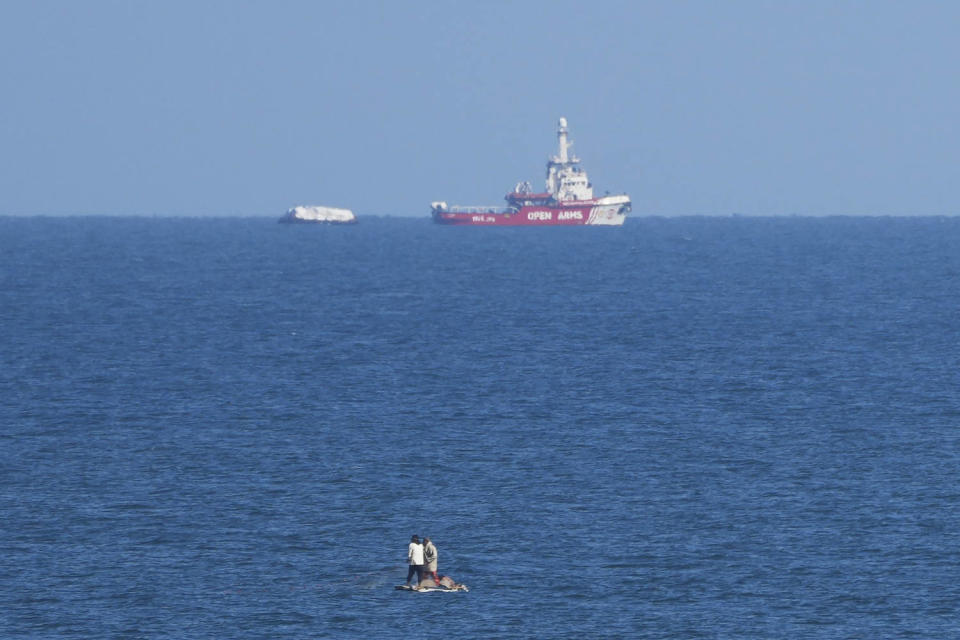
point(568, 199)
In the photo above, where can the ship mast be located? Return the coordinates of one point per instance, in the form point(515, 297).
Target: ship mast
point(563, 157)
point(562, 139)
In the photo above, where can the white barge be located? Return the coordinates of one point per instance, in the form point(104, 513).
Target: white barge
point(319, 215)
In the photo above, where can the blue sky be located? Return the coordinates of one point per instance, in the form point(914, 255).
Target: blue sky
point(247, 108)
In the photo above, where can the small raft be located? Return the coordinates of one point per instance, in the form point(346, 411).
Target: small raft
point(428, 585)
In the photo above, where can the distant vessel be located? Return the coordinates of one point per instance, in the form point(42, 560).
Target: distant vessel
point(320, 215)
point(568, 199)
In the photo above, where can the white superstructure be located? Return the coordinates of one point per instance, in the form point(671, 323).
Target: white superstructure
point(565, 179)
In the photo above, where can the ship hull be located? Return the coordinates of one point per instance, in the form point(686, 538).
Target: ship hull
point(606, 211)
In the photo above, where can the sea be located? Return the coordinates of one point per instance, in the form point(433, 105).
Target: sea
point(694, 427)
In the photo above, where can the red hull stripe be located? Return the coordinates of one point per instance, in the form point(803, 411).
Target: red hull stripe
point(527, 216)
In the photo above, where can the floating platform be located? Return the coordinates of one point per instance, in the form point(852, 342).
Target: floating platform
point(431, 586)
point(320, 215)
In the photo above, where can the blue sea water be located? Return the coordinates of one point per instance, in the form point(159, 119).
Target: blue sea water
point(681, 428)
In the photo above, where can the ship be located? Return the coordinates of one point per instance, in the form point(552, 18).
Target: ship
point(567, 201)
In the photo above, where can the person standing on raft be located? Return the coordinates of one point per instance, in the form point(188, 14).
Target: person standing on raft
point(415, 560)
point(430, 555)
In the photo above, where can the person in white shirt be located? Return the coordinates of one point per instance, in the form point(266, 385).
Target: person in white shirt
point(415, 560)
